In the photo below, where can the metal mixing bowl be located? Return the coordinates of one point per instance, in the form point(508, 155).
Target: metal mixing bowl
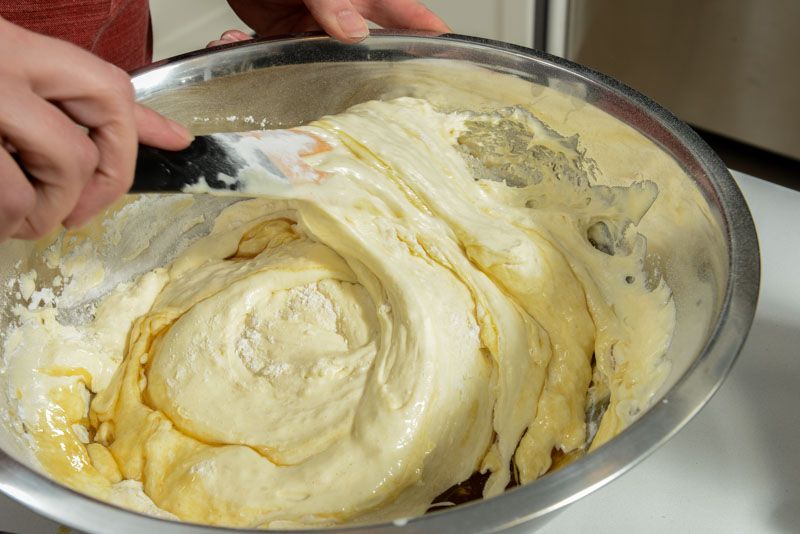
point(711, 262)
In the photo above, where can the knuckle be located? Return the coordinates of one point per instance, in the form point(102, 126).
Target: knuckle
point(109, 184)
point(37, 228)
point(46, 214)
point(17, 202)
point(87, 157)
point(119, 185)
point(115, 86)
point(121, 82)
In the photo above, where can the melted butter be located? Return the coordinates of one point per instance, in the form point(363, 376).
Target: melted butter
point(79, 372)
point(60, 450)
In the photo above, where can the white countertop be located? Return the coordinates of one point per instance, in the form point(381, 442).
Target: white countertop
point(736, 465)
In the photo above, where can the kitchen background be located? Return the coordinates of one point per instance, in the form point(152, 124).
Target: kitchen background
point(727, 67)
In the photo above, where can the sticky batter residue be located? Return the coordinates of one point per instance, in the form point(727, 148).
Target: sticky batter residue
point(441, 303)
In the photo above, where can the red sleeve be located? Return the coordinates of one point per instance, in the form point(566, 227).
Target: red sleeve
point(118, 31)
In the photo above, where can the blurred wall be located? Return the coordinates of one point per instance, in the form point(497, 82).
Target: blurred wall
point(729, 66)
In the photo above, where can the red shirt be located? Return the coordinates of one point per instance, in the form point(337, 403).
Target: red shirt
point(118, 31)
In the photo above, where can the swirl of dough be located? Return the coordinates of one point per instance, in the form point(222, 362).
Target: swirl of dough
point(272, 365)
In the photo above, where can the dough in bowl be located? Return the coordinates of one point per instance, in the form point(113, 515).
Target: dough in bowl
point(454, 293)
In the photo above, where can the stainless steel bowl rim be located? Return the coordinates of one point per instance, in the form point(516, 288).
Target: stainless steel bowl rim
point(553, 491)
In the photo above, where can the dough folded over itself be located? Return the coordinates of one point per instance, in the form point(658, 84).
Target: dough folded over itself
point(348, 349)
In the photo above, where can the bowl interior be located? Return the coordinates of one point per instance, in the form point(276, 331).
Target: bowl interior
point(693, 240)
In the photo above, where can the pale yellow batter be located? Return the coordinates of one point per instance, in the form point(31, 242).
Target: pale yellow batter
point(350, 348)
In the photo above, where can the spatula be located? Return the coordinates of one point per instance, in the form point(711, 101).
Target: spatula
point(217, 163)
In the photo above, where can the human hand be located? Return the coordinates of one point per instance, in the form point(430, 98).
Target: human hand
point(230, 36)
point(344, 20)
point(72, 121)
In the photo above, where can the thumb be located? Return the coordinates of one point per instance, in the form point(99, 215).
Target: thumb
point(339, 19)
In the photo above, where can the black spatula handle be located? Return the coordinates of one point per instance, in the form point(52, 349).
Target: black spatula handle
point(172, 171)
point(164, 170)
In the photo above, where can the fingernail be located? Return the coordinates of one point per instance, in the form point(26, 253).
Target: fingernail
point(235, 35)
point(180, 130)
point(352, 24)
point(72, 222)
